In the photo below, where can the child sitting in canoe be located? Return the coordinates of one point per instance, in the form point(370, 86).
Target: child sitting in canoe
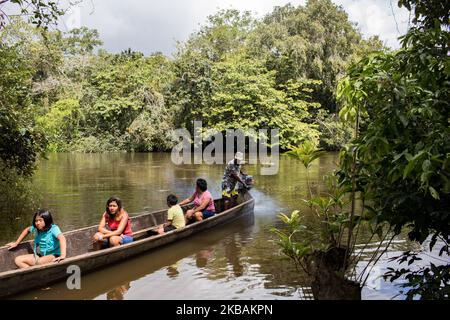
point(175, 216)
point(115, 226)
point(48, 238)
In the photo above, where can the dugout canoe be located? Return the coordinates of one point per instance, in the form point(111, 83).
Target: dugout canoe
point(81, 253)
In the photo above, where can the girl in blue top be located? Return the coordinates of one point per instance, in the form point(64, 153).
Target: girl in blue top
point(47, 237)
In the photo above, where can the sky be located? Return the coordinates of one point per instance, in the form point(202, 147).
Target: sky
point(156, 26)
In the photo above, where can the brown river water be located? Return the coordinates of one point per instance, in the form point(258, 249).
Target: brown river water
point(239, 260)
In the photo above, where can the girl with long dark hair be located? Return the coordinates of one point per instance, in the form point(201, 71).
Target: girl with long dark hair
point(49, 242)
point(115, 226)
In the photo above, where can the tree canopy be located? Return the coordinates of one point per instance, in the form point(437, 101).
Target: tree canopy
point(403, 151)
point(236, 72)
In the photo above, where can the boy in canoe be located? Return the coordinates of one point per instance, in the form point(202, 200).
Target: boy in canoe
point(48, 238)
point(175, 216)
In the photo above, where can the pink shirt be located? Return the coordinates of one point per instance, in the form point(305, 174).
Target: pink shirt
point(205, 195)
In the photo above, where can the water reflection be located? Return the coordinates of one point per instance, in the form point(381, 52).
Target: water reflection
point(118, 293)
point(240, 260)
point(233, 254)
point(202, 257)
point(172, 270)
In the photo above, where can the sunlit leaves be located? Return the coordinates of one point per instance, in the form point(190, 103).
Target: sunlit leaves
point(306, 152)
point(20, 141)
point(402, 153)
point(243, 95)
point(61, 123)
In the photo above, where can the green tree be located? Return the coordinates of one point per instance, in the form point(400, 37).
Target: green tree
point(126, 94)
point(39, 12)
point(20, 141)
point(61, 123)
point(403, 153)
point(316, 41)
point(81, 41)
point(244, 97)
point(224, 33)
point(324, 246)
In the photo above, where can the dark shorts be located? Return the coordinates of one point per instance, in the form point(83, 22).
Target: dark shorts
point(169, 228)
point(207, 214)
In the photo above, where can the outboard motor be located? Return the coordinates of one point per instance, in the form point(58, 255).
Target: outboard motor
point(248, 179)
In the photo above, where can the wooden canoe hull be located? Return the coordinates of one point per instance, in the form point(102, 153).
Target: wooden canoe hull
point(15, 281)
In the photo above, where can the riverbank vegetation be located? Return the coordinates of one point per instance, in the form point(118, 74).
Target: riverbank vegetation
point(61, 93)
point(304, 70)
point(236, 71)
point(394, 174)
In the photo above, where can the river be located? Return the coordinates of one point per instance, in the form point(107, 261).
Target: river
point(240, 260)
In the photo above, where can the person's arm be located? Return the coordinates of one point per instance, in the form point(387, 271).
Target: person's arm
point(63, 247)
point(169, 218)
point(188, 200)
point(120, 229)
point(102, 224)
point(24, 233)
point(202, 205)
point(236, 176)
point(168, 223)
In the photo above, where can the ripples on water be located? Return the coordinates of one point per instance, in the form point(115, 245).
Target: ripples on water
point(239, 260)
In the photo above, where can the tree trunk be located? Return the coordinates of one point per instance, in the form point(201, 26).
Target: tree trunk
point(328, 281)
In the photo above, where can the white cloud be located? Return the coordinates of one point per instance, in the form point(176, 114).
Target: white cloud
point(150, 26)
point(378, 17)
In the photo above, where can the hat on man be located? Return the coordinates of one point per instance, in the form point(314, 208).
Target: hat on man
point(239, 156)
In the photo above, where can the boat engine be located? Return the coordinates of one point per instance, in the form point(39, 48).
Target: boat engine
point(249, 181)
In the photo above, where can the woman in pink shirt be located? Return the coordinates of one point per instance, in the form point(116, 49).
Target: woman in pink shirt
point(203, 202)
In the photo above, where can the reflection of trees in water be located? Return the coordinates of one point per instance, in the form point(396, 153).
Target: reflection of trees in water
point(118, 292)
point(172, 270)
point(289, 184)
point(81, 183)
point(233, 255)
point(255, 254)
point(223, 259)
point(279, 271)
point(203, 256)
point(248, 254)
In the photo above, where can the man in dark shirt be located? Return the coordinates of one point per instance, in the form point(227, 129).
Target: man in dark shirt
point(231, 176)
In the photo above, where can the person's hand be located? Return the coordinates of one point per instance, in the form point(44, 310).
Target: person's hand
point(12, 245)
point(97, 237)
point(189, 214)
point(58, 259)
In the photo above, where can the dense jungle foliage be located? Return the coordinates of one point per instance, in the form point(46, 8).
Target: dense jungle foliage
point(62, 94)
